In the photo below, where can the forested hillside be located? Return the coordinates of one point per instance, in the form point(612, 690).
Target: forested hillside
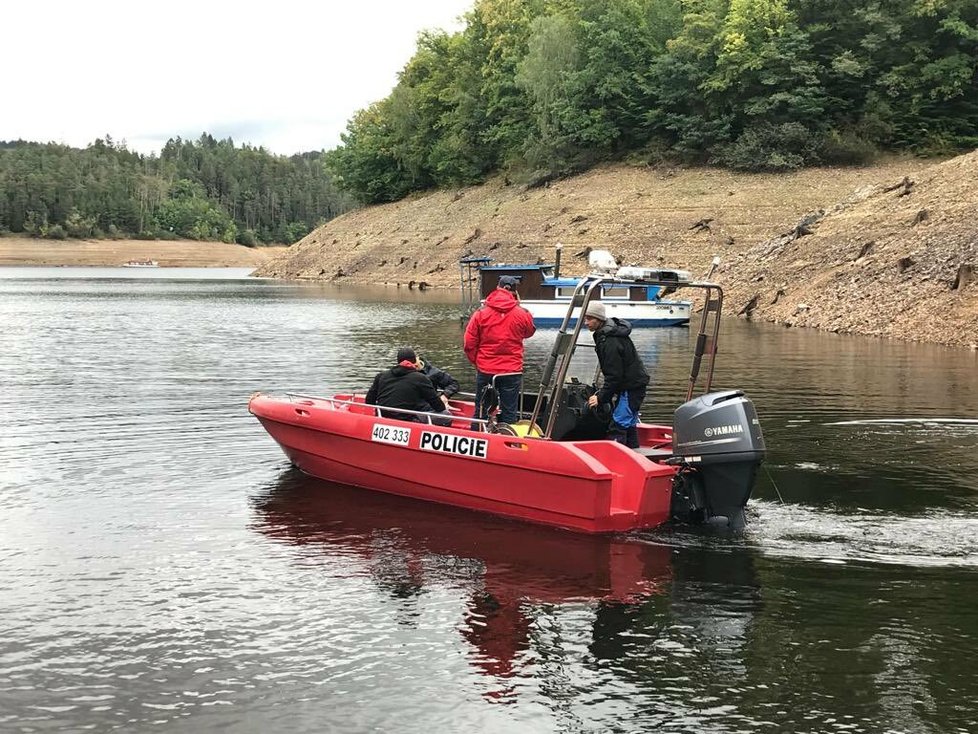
point(541, 88)
point(202, 190)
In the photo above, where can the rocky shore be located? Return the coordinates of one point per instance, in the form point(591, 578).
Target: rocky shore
point(887, 250)
point(898, 259)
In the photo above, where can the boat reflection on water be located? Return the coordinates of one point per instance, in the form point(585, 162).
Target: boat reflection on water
point(407, 544)
point(510, 574)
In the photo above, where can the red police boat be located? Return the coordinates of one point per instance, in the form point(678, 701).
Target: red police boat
point(553, 467)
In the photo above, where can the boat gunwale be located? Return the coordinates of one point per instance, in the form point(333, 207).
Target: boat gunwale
point(377, 408)
point(597, 466)
point(598, 469)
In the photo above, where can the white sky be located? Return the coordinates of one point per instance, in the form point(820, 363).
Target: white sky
point(285, 74)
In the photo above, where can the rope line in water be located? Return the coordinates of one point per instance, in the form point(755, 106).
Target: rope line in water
point(773, 484)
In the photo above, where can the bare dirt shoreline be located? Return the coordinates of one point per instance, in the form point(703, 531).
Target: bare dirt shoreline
point(886, 250)
point(179, 253)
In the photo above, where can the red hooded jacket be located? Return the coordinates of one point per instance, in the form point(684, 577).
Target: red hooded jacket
point(495, 334)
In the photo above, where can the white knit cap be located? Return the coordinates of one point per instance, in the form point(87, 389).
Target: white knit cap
point(596, 309)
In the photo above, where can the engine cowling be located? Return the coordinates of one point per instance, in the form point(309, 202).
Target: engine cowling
point(718, 442)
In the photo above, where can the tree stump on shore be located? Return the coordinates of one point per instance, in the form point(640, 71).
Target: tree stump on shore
point(966, 275)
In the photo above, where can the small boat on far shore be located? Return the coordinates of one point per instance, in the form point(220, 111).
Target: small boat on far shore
point(140, 264)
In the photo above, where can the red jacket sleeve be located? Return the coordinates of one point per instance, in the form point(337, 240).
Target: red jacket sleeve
point(529, 329)
point(470, 342)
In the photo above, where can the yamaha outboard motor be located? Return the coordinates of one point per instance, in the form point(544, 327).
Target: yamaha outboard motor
point(718, 444)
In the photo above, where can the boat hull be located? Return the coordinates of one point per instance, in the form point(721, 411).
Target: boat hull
point(642, 314)
point(587, 486)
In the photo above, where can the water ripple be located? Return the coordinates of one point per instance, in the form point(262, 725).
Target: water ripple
point(160, 566)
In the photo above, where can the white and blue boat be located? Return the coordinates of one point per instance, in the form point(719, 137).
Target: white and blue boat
point(546, 294)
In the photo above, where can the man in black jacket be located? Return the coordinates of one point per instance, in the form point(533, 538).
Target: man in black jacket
point(624, 374)
point(444, 383)
point(403, 386)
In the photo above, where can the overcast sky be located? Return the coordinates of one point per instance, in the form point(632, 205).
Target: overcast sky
point(283, 74)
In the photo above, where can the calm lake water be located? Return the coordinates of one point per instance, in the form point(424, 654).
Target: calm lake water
point(163, 569)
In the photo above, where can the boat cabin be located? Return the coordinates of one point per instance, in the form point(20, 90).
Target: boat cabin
point(541, 283)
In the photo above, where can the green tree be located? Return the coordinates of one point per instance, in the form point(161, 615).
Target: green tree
point(366, 164)
point(546, 74)
point(106, 188)
point(765, 78)
point(499, 30)
point(621, 41)
point(685, 111)
point(187, 213)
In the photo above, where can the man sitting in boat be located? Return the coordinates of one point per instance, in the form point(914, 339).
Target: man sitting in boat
point(403, 386)
point(625, 377)
point(444, 383)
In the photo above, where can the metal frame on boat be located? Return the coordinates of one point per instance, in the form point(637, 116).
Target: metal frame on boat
point(555, 466)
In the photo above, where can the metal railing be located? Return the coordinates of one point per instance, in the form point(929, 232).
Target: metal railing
point(555, 371)
point(428, 416)
point(587, 288)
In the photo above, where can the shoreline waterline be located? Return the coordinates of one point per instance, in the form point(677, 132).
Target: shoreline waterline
point(114, 253)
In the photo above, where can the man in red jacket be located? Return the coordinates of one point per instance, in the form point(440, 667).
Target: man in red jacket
point(494, 344)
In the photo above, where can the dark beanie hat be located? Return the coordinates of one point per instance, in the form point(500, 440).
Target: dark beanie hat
point(406, 354)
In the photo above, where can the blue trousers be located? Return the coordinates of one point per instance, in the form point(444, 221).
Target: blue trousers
point(625, 417)
point(508, 392)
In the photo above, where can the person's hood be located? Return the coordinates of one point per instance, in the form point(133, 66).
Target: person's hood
point(403, 368)
point(615, 327)
point(501, 300)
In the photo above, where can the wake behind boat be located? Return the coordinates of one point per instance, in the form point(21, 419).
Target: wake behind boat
point(555, 466)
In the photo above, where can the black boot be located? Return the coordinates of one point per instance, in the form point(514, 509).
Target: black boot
point(618, 436)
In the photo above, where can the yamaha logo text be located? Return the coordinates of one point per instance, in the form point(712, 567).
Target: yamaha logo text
point(723, 430)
